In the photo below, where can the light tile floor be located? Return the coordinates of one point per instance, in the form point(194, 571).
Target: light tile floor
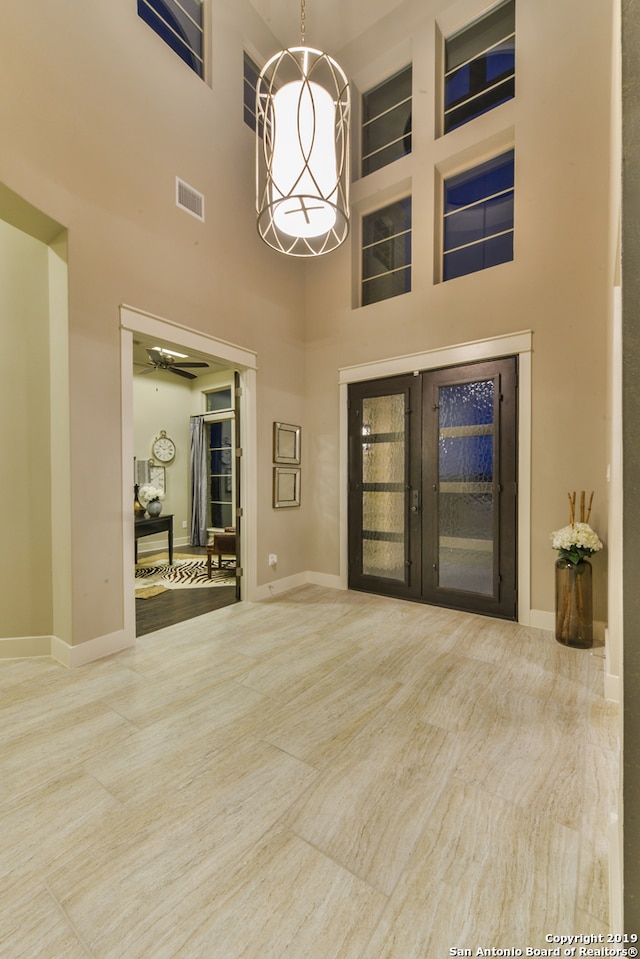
point(329, 775)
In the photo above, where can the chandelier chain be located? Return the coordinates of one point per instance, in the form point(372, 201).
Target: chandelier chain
point(302, 22)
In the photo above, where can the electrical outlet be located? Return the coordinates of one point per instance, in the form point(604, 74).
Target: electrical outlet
point(184, 524)
point(273, 559)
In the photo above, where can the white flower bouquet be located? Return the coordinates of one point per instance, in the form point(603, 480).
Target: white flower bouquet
point(147, 494)
point(577, 541)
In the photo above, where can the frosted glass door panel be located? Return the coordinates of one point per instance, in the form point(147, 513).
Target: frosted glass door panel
point(383, 486)
point(466, 487)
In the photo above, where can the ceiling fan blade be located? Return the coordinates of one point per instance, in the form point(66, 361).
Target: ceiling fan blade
point(153, 355)
point(188, 376)
point(186, 365)
point(151, 369)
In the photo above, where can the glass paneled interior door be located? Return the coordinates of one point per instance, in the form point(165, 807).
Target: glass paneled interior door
point(433, 487)
point(469, 529)
point(384, 421)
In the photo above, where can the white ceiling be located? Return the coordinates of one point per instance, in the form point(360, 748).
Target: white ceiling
point(330, 24)
point(141, 360)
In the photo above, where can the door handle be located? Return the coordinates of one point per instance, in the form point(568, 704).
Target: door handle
point(415, 500)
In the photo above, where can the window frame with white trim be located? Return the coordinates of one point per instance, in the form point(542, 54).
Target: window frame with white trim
point(180, 24)
point(479, 66)
point(386, 251)
point(478, 217)
point(386, 111)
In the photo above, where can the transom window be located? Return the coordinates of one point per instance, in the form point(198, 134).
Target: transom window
point(219, 400)
point(386, 252)
point(478, 217)
point(179, 24)
point(480, 66)
point(386, 122)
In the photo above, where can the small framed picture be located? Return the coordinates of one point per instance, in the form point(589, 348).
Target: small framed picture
point(286, 487)
point(157, 476)
point(286, 443)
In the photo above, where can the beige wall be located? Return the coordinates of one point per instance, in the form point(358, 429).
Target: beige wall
point(98, 119)
point(162, 402)
point(25, 472)
point(559, 284)
point(105, 119)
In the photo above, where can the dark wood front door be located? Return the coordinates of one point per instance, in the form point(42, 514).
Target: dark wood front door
point(432, 487)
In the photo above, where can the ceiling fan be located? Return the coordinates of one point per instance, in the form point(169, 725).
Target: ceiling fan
point(164, 360)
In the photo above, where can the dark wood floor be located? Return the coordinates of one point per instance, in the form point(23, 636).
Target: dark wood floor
point(176, 605)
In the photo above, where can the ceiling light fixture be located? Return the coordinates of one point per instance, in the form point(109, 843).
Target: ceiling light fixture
point(302, 151)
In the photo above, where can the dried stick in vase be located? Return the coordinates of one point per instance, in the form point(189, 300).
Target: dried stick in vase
point(582, 506)
point(589, 507)
point(572, 507)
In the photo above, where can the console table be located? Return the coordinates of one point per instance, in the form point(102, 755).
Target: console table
point(155, 524)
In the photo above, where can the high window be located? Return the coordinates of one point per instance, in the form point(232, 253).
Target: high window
point(251, 74)
point(220, 399)
point(179, 24)
point(480, 66)
point(386, 122)
point(386, 252)
point(478, 217)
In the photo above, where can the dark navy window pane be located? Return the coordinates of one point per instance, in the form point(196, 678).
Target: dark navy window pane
point(457, 86)
point(483, 220)
point(464, 404)
point(468, 110)
point(501, 61)
point(478, 58)
point(466, 459)
point(494, 176)
point(215, 435)
point(480, 256)
point(176, 29)
point(220, 462)
point(499, 249)
point(472, 78)
point(188, 27)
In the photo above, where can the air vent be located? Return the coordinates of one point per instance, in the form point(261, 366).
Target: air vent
point(189, 199)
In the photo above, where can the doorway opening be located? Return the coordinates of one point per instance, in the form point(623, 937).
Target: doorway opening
point(183, 404)
point(433, 486)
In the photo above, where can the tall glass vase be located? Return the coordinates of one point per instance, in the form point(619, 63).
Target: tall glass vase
point(574, 605)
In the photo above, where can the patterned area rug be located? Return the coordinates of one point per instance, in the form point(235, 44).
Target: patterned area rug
point(154, 575)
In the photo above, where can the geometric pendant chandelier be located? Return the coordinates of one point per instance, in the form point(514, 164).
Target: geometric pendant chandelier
point(302, 151)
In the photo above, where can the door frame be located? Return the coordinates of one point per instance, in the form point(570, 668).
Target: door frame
point(134, 320)
point(518, 344)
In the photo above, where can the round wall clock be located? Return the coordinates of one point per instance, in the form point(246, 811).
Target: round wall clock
point(164, 449)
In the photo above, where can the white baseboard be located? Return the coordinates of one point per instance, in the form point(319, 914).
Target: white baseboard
point(612, 682)
point(325, 579)
point(93, 649)
point(616, 907)
point(308, 577)
point(32, 647)
point(25, 647)
point(541, 619)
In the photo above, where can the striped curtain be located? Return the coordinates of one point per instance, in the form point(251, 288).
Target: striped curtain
point(199, 473)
